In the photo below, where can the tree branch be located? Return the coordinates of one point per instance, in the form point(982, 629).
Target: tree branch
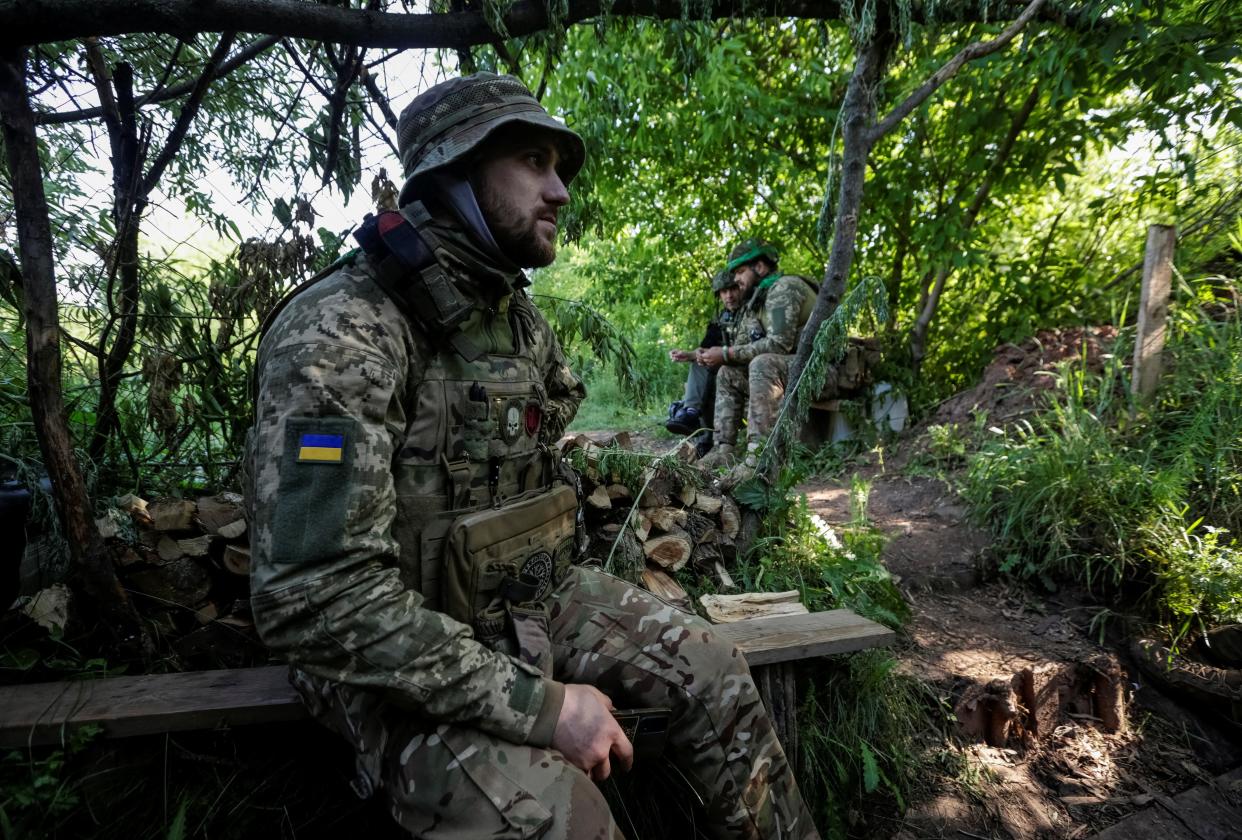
point(347, 70)
point(39, 21)
point(254, 48)
point(103, 87)
point(930, 301)
point(974, 51)
point(186, 116)
point(378, 97)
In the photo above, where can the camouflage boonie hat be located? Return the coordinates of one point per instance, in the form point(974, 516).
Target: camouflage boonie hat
point(444, 124)
point(723, 280)
point(752, 249)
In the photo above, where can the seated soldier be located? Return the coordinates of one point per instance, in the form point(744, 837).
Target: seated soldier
point(694, 410)
point(414, 528)
point(751, 382)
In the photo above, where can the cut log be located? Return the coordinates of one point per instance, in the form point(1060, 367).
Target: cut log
point(168, 549)
point(667, 518)
point(686, 495)
point(599, 499)
point(172, 514)
point(195, 546)
point(661, 584)
point(669, 551)
point(700, 528)
point(619, 493)
point(686, 452)
point(108, 527)
point(730, 517)
point(49, 608)
point(126, 557)
point(237, 559)
point(215, 512)
point(627, 560)
point(610, 531)
point(642, 525)
point(136, 507)
point(208, 613)
point(233, 530)
point(706, 555)
point(181, 582)
point(707, 503)
point(722, 609)
point(726, 579)
point(657, 489)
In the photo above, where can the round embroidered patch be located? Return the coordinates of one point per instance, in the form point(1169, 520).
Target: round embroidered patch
point(539, 567)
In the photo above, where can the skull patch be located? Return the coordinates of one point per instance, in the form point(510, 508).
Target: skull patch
point(511, 421)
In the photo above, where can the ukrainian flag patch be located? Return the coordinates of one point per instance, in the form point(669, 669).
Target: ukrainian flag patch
point(320, 448)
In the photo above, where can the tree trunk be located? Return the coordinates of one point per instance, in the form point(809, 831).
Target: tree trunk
point(128, 205)
point(858, 120)
point(92, 568)
point(932, 294)
point(861, 131)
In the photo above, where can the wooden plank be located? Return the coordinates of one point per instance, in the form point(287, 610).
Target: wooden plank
point(39, 713)
point(789, 637)
point(1210, 811)
point(1152, 823)
point(1153, 310)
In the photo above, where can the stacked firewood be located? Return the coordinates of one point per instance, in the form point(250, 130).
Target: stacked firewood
point(187, 563)
point(651, 522)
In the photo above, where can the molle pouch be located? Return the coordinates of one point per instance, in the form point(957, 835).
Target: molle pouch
point(515, 554)
point(477, 426)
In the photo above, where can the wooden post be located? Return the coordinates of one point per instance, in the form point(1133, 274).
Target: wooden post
point(778, 688)
point(1153, 310)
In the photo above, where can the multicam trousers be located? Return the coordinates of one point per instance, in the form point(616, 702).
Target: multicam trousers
point(754, 392)
point(450, 781)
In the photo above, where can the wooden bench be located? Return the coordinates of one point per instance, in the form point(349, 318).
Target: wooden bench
point(42, 713)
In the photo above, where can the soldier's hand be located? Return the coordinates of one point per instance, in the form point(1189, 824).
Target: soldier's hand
point(712, 357)
point(587, 733)
point(681, 355)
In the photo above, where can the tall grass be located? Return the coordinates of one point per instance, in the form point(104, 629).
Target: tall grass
point(1144, 501)
point(860, 718)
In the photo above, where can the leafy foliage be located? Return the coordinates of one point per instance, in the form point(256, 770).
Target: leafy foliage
point(1153, 503)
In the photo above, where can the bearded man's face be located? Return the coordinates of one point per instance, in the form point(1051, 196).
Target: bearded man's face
point(520, 193)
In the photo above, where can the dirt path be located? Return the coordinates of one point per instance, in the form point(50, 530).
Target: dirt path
point(1059, 738)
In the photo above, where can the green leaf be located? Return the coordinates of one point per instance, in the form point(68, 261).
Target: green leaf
point(176, 831)
point(283, 212)
point(871, 770)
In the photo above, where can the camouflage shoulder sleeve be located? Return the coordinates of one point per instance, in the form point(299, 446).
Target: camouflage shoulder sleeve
point(565, 390)
point(326, 591)
point(782, 319)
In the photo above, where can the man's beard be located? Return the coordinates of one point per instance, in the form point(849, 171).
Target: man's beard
point(515, 235)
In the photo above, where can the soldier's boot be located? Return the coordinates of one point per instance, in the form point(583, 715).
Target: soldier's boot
point(722, 455)
point(743, 470)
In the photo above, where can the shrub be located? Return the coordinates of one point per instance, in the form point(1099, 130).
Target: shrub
point(1103, 492)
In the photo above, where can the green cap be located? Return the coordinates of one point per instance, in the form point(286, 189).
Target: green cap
point(445, 123)
point(749, 250)
point(723, 280)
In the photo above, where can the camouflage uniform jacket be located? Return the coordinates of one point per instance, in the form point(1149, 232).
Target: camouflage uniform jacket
point(367, 442)
point(772, 320)
point(720, 329)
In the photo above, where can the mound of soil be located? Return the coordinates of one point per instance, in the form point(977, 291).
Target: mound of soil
point(1013, 385)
